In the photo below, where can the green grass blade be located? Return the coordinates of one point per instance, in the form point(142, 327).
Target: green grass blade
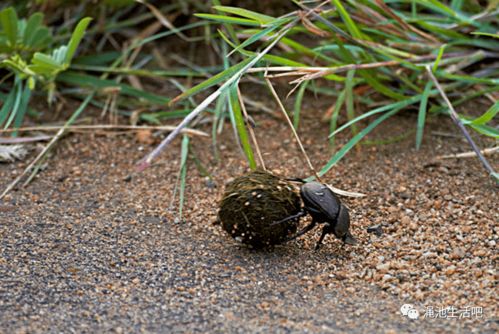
point(255, 38)
point(184, 152)
point(485, 34)
point(23, 107)
point(486, 117)
point(298, 104)
point(423, 107)
point(358, 137)
point(396, 105)
point(18, 88)
point(334, 117)
point(439, 56)
point(350, 24)
point(229, 19)
point(486, 130)
point(349, 84)
point(456, 4)
point(214, 80)
point(85, 80)
point(8, 102)
point(241, 126)
point(261, 18)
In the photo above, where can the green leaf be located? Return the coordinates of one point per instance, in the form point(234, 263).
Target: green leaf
point(9, 20)
point(23, 107)
point(351, 26)
point(262, 19)
point(240, 125)
point(486, 130)
point(45, 65)
point(216, 79)
point(76, 38)
point(349, 84)
point(439, 56)
point(396, 105)
point(18, 88)
point(41, 38)
point(183, 172)
point(439, 6)
point(85, 80)
point(255, 38)
point(34, 23)
point(485, 34)
point(7, 106)
point(298, 104)
point(423, 106)
point(334, 117)
point(486, 117)
point(358, 137)
point(456, 4)
point(229, 19)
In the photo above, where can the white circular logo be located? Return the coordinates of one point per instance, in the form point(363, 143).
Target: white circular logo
point(413, 314)
point(406, 308)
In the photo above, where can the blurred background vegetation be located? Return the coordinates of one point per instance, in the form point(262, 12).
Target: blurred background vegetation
point(155, 62)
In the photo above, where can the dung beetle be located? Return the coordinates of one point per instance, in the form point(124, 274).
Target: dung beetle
point(324, 207)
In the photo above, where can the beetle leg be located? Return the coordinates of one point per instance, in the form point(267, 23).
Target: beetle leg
point(324, 232)
point(302, 232)
point(295, 216)
point(349, 239)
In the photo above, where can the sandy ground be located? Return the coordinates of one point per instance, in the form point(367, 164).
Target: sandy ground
point(90, 246)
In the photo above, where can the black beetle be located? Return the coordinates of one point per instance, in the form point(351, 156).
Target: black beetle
point(325, 208)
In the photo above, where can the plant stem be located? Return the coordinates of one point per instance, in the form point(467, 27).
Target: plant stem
point(454, 116)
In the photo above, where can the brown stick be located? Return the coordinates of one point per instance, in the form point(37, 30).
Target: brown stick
point(460, 125)
point(295, 134)
point(108, 127)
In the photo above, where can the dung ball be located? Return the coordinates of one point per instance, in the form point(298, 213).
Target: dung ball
point(252, 202)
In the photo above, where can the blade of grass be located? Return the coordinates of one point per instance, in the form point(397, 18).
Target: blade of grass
point(423, 107)
point(7, 106)
point(457, 121)
point(298, 104)
point(486, 130)
point(395, 105)
point(146, 161)
point(240, 125)
point(439, 56)
point(350, 24)
point(260, 18)
point(250, 128)
point(334, 117)
point(487, 116)
point(350, 99)
point(348, 146)
point(23, 108)
point(79, 79)
point(214, 80)
point(18, 88)
point(183, 173)
point(56, 137)
point(229, 19)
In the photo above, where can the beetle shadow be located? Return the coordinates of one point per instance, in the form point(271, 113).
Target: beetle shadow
point(290, 254)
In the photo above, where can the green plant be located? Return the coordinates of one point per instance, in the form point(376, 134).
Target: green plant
point(376, 47)
point(27, 55)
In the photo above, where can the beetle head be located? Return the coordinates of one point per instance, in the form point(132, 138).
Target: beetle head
point(342, 227)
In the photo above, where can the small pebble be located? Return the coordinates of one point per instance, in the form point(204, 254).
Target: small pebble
point(376, 229)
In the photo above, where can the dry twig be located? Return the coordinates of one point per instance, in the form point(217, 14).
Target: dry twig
point(455, 118)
